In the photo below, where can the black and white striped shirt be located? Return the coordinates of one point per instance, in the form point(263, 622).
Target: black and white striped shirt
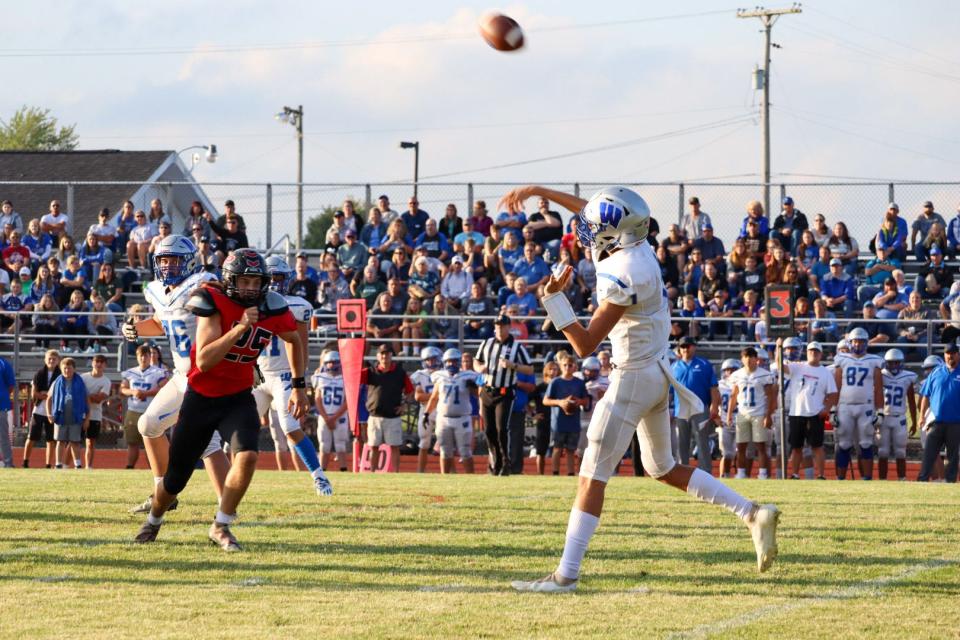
point(491, 351)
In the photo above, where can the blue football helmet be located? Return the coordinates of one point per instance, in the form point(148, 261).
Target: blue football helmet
point(432, 358)
point(280, 274)
point(331, 363)
point(614, 218)
point(181, 260)
point(451, 361)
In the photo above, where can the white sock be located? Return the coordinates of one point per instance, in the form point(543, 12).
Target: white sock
point(808, 473)
point(741, 474)
point(707, 488)
point(222, 518)
point(580, 529)
point(157, 480)
point(318, 473)
point(152, 519)
point(764, 474)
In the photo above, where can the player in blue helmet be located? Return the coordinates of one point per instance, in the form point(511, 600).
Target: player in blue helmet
point(175, 260)
point(432, 361)
point(331, 363)
point(280, 274)
point(793, 349)
point(590, 368)
point(451, 361)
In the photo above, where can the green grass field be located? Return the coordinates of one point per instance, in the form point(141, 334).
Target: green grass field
point(413, 556)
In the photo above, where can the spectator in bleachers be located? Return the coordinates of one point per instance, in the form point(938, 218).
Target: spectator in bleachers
point(694, 221)
point(65, 248)
point(196, 217)
point(45, 319)
point(877, 332)
point(844, 247)
point(398, 296)
point(587, 277)
point(72, 279)
point(711, 283)
point(895, 231)
point(415, 218)
point(921, 227)
point(532, 268)
point(104, 230)
point(692, 272)
point(302, 284)
point(820, 269)
point(433, 264)
point(400, 266)
point(789, 225)
point(755, 213)
point(571, 243)
point(164, 229)
point(901, 280)
point(231, 233)
point(482, 222)
point(522, 298)
point(508, 254)
point(15, 255)
point(478, 305)
point(124, 221)
point(11, 303)
point(775, 261)
point(303, 260)
point(688, 325)
point(823, 328)
point(455, 286)
point(737, 258)
point(467, 231)
point(389, 215)
point(953, 234)
point(397, 236)
point(414, 326)
point(950, 310)
point(55, 222)
point(528, 236)
point(505, 291)
point(433, 241)
point(368, 286)
point(791, 276)
point(936, 237)
point(229, 211)
point(101, 322)
point(351, 255)
point(451, 224)
point(39, 243)
point(26, 282)
point(719, 307)
point(333, 288)
point(547, 227)
point(374, 232)
point(473, 262)
point(877, 271)
point(337, 231)
point(821, 232)
point(913, 329)
point(9, 216)
point(93, 256)
point(890, 301)
point(754, 241)
point(511, 222)
point(752, 277)
point(888, 237)
point(138, 246)
point(807, 249)
point(934, 279)
point(837, 290)
point(352, 219)
point(669, 272)
point(196, 234)
point(156, 214)
point(208, 257)
point(801, 317)
point(109, 287)
point(750, 310)
point(676, 246)
point(43, 284)
point(383, 329)
point(72, 322)
point(711, 247)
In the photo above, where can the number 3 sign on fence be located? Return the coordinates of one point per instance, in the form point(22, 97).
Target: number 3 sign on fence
point(778, 310)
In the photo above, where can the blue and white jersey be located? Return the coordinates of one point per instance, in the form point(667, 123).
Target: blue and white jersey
point(179, 325)
point(752, 390)
point(332, 395)
point(422, 379)
point(144, 380)
point(631, 278)
point(273, 358)
point(895, 389)
point(856, 377)
point(595, 389)
point(455, 392)
point(726, 391)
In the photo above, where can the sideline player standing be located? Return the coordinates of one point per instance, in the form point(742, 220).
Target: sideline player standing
point(234, 325)
point(898, 396)
point(860, 408)
point(176, 276)
point(596, 387)
point(635, 312)
point(728, 429)
point(332, 429)
point(431, 358)
point(452, 389)
point(754, 397)
point(273, 394)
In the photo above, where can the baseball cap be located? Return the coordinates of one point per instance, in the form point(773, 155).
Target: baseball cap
point(385, 348)
point(928, 205)
point(502, 319)
point(836, 262)
point(815, 346)
point(952, 348)
point(456, 260)
point(383, 196)
point(869, 303)
point(338, 213)
point(788, 200)
point(229, 203)
point(693, 200)
point(350, 233)
point(301, 254)
point(894, 206)
point(686, 341)
point(708, 226)
point(935, 250)
point(24, 271)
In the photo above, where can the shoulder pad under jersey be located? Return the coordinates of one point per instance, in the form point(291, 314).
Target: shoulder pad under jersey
point(274, 304)
point(200, 303)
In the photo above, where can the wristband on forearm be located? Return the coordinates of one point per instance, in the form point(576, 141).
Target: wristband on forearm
point(298, 383)
point(559, 310)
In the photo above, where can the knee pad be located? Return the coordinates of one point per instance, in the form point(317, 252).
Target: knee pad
point(150, 427)
point(866, 453)
point(843, 458)
point(656, 469)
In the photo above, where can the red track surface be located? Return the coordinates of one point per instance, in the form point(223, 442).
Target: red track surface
point(116, 459)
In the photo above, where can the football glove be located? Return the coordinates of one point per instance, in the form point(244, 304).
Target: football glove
point(877, 418)
point(130, 330)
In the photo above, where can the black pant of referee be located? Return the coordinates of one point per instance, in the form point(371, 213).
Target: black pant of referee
point(495, 407)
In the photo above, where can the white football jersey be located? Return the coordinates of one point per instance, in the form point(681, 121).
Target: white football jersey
point(631, 278)
point(273, 358)
point(455, 391)
point(726, 390)
point(752, 390)
point(179, 325)
point(856, 377)
point(895, 389)
point(422, 379)
point(595, 389)
point(332, 395)
point(144, 380)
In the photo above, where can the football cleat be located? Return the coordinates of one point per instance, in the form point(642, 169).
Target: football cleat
point(763, 528)
point(323, 486)
point(549, 584)
point(221, 536)
point(148, 504)
point(148, 533)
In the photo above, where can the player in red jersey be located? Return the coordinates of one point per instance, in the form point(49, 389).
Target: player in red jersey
point(233, 326)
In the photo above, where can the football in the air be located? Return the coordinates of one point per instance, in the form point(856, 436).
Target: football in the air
point(501, 32)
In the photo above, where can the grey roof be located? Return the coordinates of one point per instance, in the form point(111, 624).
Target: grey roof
point(108, 165)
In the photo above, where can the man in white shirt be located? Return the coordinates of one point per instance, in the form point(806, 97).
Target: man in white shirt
point(140, 384)
point(55, 222)
point(813, 392)
point(98, 390)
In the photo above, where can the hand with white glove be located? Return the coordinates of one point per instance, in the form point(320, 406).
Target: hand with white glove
point(877, 418)
point(130, 330)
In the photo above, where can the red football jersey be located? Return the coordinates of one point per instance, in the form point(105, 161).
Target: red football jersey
point(234, 373)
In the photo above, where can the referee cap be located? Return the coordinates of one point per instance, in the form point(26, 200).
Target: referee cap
point(502, 319)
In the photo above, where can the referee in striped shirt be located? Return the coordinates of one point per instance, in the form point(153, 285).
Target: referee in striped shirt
point(499, 358)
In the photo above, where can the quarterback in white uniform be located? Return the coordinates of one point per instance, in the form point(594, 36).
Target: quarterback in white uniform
point(273, 395)
point(634, 312)
point(431, 358)
point(899, 395)
point(174, 267)
point(728, 429)
point(860, 408)
point(331, 403)
point(450, 399)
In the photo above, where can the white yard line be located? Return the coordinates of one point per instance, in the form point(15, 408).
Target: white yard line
point(865, 588)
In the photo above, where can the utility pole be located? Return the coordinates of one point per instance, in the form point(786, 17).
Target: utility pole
point(294, 117)
point(767, 17)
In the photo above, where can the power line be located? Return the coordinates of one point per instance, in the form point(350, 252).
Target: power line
point(296, 46)
point(864, 123)
point(689, 152)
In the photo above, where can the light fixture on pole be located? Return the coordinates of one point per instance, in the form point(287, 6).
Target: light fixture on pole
point(416, 162)
point(294, 117)
point(210, 155)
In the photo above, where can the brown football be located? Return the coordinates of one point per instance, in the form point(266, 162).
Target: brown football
point(501, 32)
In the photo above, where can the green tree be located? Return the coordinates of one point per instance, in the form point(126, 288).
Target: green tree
point(34, 129)
point(317, 226)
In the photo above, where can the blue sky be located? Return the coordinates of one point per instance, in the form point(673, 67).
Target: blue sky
point(859, 88)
